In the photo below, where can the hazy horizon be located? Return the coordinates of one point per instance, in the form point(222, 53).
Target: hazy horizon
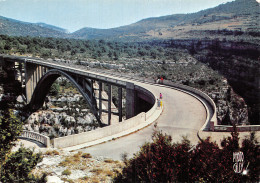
point(104, 14)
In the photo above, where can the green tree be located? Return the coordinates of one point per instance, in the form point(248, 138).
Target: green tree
point(110, 54)
point(15, 167)
point(116, 55)
point(55, 88)
point(10, 129)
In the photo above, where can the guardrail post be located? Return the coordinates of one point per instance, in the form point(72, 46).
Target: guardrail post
point(48, 143)
point(211, 126)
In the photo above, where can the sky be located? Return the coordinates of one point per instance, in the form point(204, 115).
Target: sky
point(76, 14)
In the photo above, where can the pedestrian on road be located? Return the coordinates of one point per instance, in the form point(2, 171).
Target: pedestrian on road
point(161, 104)
point(160, 95)
point(161, 80)
point(158, 103)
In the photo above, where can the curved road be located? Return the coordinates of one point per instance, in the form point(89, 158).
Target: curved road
point(183, 115)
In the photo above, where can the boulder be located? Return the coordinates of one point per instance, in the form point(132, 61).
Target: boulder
point(80, 129)
point(20, 99)
point(84, 110)
point(54, 179)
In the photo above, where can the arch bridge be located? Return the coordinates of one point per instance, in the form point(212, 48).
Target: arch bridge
point(37, 76)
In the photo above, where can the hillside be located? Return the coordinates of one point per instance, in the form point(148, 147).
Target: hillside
point(13, 27)
point(239, 15)
point(52, 27)
point(222, 21)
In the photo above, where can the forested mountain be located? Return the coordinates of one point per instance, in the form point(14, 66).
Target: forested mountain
point(13, 27)
point(239, 15)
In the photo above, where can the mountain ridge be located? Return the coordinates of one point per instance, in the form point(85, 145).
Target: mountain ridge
point(242, 15)
point(13, 27)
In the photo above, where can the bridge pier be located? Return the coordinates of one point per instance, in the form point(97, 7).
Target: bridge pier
point(29, 81)
point(100, 97)
point(130, 100)
point(120, 104)
point(109, 103)
point(33, 74)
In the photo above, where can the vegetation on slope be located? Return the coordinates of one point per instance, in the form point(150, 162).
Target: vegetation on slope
point(14, 166)
point(164, 161)
point(18, 28)
point(176, 60)
point(241, 15)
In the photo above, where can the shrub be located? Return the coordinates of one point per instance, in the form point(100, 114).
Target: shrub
point(153, 163)
point(66, 172)
point(18, 166)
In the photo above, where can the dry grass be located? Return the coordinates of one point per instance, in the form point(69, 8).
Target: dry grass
point(74, 160)
point(86, 155)
point(95, 180)
point(108, 172)
point(50, 153)
point(67, 180)
point(84, 178)
point(77, 154)
point(69, 90)
point(109, 161)
point(68, 161)
point(97, 171)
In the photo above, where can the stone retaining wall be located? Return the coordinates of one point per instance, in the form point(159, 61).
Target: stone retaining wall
point(226, 128)
point(100, 133)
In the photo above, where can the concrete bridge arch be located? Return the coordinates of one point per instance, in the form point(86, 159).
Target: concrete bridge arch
point(44, 84)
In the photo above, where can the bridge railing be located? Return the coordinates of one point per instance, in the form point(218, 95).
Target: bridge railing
point(36, 136)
